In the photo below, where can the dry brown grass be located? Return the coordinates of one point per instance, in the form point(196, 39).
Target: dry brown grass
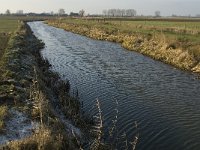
point(160, 40)
point(32, 85)
point(50, 133)
point(3, 114)
point(42, 139)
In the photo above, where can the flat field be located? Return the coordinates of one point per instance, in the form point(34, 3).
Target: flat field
point(190, 28)
point(9, 24)
point(7, 27)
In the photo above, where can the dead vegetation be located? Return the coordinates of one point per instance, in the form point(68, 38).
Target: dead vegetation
point(28, 85)
point(176, 46)
point(114, 141)
point(3, 114)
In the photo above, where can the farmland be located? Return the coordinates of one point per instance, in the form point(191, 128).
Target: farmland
point(8, 25)
point(27, 84)
point(7, 28)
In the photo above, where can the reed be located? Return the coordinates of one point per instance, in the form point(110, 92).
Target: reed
point(98, 130)
point(114, 121)
point(3, 115)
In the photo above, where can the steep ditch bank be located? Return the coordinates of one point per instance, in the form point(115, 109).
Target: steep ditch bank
point(33, 93)
point(177, 53)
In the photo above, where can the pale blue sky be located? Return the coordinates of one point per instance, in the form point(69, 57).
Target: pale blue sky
point(145, 7)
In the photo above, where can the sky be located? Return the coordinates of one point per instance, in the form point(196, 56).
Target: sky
point(143, 7)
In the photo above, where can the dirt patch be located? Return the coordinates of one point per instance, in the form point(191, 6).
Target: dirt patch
point(17, 126)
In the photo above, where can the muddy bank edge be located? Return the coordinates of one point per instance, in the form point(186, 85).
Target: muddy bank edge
point(28, 87)
point(155, 46)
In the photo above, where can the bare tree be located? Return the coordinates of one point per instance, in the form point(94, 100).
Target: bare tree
point(198, 15)
point(52, 13)
point(81, 12)
point(7, 12)
point(157, 13)
point(174, 15)
point(19, 12)
point(109, 12)
point(131, 12)
point(120, 12)
point(61, 12)
point(113, 12)
point(105, 12)
point(123, 12)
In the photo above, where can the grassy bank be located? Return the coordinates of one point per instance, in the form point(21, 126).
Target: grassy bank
point(9, 25)
point(7, 28)
point(29, 87)
point(176, 42)
point(35, 100)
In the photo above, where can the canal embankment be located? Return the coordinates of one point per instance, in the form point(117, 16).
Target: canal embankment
point(36, 108)
point(161, 99)
point(170, 42)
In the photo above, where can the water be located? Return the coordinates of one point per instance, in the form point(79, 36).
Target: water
point(163, 100)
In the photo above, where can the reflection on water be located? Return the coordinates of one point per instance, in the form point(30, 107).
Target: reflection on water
point(163, 100)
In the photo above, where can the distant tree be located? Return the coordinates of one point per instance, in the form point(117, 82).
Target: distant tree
point(19, 12)
point(174, 15)
point(198, 15)
point(131, 12)
point(109, 12)
point(73, 14)
point(81, 12)
point(128, 12)
point(157, 13)
point(123, 12)
point(113, 12)
point(61, 12)
point(7, 12)
point(51, 13)
point(135, 13)
point(120, 12)
point(105, 12)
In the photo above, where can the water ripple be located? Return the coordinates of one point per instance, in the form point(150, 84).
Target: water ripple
point(162, 99)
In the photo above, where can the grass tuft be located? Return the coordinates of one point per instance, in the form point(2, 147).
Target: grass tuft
point(169, 41)
point(3, 114)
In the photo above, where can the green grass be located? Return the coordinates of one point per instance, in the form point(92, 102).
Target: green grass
point(166, 24)
point(3, 43)
point(174, 29)
point(8, 25)
point(15, 88)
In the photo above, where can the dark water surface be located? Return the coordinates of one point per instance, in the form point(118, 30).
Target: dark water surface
point(163, 100)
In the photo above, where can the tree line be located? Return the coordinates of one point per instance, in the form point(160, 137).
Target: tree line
point(61, 12)
point(81, 13)
point(120, 12)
